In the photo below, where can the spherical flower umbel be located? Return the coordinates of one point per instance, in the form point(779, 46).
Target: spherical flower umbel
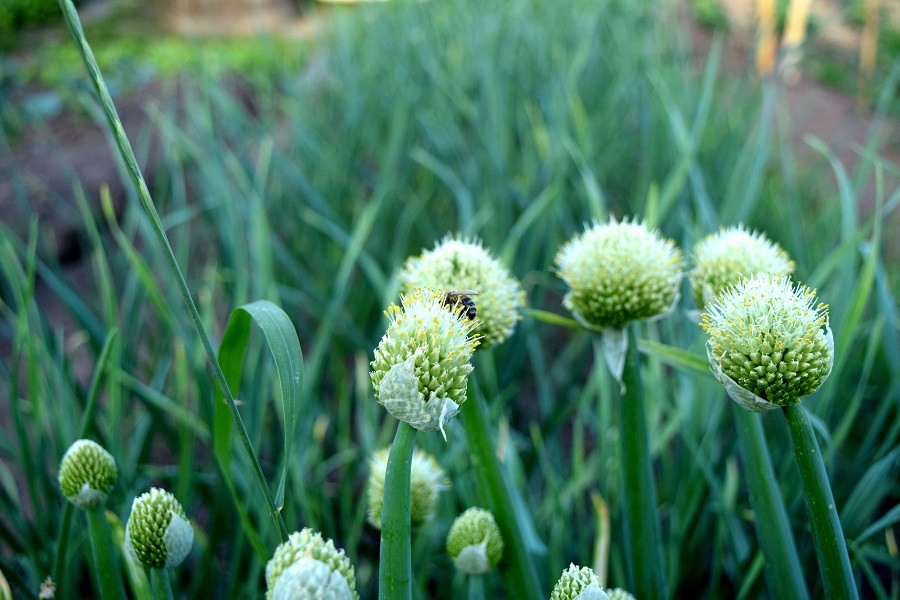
point(421, 364)
point(769, 342)
point(474, 542)
point(311, 578)
point(722, 259)
point(306, 548)
point(427, 480)
point(619, 272)
point(459, 264)
point(578, 582)
point(87, 472)
point(158, 533)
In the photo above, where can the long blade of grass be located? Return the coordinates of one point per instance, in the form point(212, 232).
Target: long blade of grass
point(284, 345)
point(127, 155)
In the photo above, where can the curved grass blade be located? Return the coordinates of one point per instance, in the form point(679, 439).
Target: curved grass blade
point(281, 338)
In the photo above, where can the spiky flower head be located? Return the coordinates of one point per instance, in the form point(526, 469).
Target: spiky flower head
point(461, 264)
point(87, 472)
point(619, 272)
point(427, 480)
point(304, 545)
point(769, 342)
point(723, 258)
point(158, 533)
point(578, 582)
point(422, 363)
point(311, 578)
point(474, 542)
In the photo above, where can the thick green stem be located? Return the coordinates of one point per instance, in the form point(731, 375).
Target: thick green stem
point(476, 587)
point(517, 567)
point(105, 556)
point(140, 186)
point(643, 551)
point(828, 537)
point(159, 582)
point(395, 568)
point(782, 565)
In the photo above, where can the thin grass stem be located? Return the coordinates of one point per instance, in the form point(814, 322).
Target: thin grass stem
point(128, 158)
point(517, 568)
point(828, 536)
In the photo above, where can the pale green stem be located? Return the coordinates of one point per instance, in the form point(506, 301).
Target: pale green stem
point(105, 555)
point(395, 568)
point(828, 536)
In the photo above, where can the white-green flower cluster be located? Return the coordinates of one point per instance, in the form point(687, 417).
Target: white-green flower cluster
point(769, 342)
point(158, 533)
point(314, 568)
point(722, 259)
point(474, 542)
point(459, 264)
point(619, 272)
point(427, 480)
point(310, 578)
point(579, 583)
point(87, 472)
point(619, 594)
point(421, 364)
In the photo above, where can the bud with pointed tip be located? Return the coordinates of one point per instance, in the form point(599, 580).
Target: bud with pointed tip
point(769, 342)
point(722, 259)
point(319, 563)
point(158, 533)
point(427, 480)
point(460, 264)
point(474, 542)
point(421, 364)
point(579, 583)
point(619, 272)
point(87, 473)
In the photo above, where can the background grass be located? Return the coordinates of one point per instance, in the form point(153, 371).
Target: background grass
point(516, 122)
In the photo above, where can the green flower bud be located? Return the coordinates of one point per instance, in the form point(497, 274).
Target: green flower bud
point(87, 472)
point(619, 594)
point(579, 583)
point(421, 365)
point(619, 272)
point(722, 259)
point(427, 480)
point(474, 542)
point(458, 264)
point(307, 547)
point(158, 533)
point(311, 578)
point(769, 343)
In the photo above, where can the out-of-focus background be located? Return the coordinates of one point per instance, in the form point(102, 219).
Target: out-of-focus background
point(300, 152)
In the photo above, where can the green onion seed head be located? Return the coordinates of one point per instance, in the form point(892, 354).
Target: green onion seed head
point(460, 264)
point(87, 473)
point(474, 542)
point(769, 341)
point(578, 582)
point(306, 548)
point(427, 480)
point(158, 533)
point(618, 272)
point(421, 364)
point(722, 259)
point(311, 578)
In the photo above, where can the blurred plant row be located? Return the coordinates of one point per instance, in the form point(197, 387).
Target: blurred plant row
point(516, 123)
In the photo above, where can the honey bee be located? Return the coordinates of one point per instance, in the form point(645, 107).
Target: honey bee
point(461, 299)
